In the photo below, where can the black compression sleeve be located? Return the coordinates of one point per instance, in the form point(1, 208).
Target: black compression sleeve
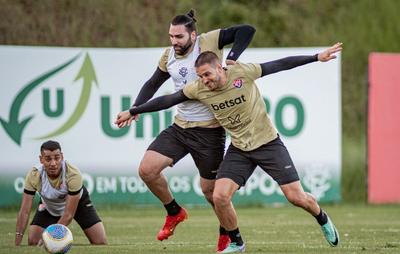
point(286, 64)
point(239, 35)
point(73, 193)
point(29, 192)
point(151, 86)
point(159, 103)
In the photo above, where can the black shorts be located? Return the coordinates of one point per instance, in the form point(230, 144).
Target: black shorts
point(272, 157)
point(85, 215)
point(205, 145)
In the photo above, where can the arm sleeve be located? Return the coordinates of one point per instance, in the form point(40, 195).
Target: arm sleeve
point(74, 180)
point(159, 103)
point(151, 86)
point(240, 36)
point(162, 63)
point(286, 63)
point(32, 179)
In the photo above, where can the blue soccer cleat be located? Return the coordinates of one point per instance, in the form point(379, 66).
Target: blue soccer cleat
point(233, 248)
point(330, 232)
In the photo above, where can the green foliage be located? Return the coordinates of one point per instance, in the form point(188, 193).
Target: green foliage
point(363, 26)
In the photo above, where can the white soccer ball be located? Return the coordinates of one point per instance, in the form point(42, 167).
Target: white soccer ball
point(57, 239)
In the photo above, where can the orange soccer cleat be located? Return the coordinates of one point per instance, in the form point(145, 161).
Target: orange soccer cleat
point(223, 242)
point(170, 223)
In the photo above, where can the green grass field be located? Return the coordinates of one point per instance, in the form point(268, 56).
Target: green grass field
point(363, 229)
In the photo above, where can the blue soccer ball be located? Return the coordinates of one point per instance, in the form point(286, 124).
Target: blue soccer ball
point(57, 239)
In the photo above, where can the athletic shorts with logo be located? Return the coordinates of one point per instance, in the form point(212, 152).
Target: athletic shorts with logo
point(272, 157)
point(85, 215)
point(205, 145)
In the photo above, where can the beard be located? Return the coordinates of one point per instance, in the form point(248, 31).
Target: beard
point(214, 84)
point(182, 50)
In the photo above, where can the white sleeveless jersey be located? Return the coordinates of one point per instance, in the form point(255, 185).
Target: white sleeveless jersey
point(183, 72)
point(54, 199)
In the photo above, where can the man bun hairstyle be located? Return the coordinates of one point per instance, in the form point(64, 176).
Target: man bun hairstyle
point(187, 20)
point(191, 14)
point(50, 145)
point(206, 57)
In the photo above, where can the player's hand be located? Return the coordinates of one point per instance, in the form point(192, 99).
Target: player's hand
point(129, 121)
point(329, 53)
point(18, 239)
point(124, 118)
point(40, 243)
point(229, 62)
point(135, 117)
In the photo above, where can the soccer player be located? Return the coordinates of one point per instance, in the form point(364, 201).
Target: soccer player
point(233, 97)
point(62, 198)
point(195, 129)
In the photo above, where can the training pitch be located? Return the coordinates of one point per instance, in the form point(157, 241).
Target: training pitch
point(363, 229)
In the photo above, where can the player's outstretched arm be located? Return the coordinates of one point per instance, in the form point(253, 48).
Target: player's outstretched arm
point(159, 103)
point(240, 36)
point(151, 86)
point(291, 62)
point(149, 89)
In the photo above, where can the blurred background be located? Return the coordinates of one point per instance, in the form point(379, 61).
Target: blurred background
point(362, 25)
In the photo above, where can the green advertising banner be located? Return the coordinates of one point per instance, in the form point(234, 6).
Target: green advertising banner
point(129, 189)
point(72, 95)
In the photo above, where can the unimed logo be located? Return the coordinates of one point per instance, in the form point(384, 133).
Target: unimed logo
point(54, 108)
point(14, 126)
point(86, 76)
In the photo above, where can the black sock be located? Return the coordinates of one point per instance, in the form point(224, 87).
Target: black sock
point(172, 208)
point(322, 218)
point(235, 237)
point(222, 231)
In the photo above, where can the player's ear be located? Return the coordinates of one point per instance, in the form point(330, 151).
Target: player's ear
point(193, 35)
point(218, 67)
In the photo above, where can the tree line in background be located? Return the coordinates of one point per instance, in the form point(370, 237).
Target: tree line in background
point(363, 26)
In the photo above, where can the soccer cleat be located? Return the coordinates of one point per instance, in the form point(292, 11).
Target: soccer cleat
point(170, 223)
point(223, 242)
point(233, 248)
point(330, 233)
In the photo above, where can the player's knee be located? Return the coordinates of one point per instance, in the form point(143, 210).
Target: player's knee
point(32, 242)
point(99, 241)
point(208, 194)
point(146, 172)
point(297, 199)
point(221, 199)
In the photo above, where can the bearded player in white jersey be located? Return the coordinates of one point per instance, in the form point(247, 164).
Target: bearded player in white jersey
point(233, 97)
point(195, 130)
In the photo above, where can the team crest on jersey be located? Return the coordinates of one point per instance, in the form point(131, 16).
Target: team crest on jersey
point(183, 71)
point(238, 83)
